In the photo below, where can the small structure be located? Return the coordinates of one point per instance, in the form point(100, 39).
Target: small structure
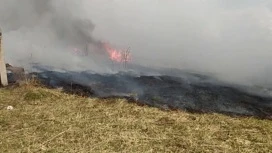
point(3, 70)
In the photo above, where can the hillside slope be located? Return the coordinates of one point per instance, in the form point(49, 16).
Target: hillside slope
point(45, 120)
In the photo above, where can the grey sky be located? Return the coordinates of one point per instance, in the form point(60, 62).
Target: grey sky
point(230, 38)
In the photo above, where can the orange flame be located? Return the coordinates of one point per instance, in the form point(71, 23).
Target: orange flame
point(117, 55)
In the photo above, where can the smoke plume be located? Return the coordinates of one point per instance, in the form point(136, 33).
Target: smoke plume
point(228, 38)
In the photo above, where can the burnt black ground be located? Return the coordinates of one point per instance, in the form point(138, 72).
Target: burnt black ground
point(190, 92)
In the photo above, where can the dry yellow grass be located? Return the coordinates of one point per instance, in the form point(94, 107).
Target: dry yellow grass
point(45, 120)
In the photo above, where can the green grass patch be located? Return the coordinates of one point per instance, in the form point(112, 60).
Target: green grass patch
point(34, 95)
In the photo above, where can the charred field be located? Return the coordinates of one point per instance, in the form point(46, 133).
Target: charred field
point(180, 91)
point(125, 112)
point(48, 120)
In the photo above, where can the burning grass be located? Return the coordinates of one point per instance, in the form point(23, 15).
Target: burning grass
point(47, 120)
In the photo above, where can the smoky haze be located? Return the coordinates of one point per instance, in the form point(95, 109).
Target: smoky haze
point(227, 38)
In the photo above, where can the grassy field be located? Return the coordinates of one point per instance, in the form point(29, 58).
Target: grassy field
point(46, 120)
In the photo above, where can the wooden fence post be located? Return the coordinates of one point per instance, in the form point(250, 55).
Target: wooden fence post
point(3, 70)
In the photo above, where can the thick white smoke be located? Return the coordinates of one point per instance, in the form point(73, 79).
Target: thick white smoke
point(229, 38)
point(46, 32)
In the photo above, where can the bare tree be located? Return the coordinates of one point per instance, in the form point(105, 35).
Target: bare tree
point(125, 57)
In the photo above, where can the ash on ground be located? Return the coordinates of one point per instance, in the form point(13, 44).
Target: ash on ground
point(198, 94)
